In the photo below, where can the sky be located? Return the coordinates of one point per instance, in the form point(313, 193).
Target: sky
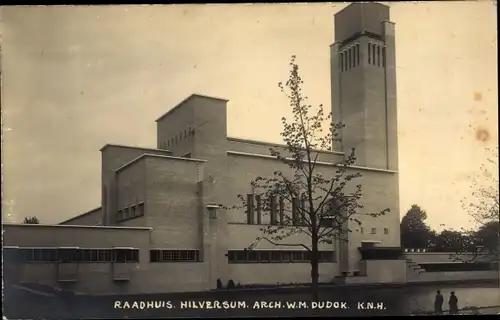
point(77, 77)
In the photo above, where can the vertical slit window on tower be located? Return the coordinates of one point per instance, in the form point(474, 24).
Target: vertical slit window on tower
point(369, 53)
point(354, 56)
point(357, 53)
point(351, 55)
point(348, 59)
point(383, 57)
point(341, 61)
point(373, 54)
point(378, 56)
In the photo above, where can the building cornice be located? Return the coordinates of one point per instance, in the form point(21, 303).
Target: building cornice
point(321, 163)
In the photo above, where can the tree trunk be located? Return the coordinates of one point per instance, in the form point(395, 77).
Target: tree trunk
point(314, 274)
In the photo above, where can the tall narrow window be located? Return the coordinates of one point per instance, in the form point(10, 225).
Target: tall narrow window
point(295, 215)
point(348, 59)
point(341, 61)
point(250, 216)
point(373, 55)
point(357, 54)
point(258, 203)
point(351, 54)
point(282, 211)
point(345, 61)
point(369, 53)
point(272, 201)
point(378, 56)
point(383, 57)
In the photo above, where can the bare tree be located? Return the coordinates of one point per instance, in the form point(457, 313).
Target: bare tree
point(310, 201)
point(482, 207)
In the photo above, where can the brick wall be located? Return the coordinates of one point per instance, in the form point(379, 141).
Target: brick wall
point(94, 277)
point(90, 218)
point(172, 202)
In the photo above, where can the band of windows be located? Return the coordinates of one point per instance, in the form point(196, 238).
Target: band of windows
point(158, 255)
point(276, 256)
point(376, 55)
point(256, 206)
point(188, 132)
point(130, 212)
point(349, 58)
point(77, 255)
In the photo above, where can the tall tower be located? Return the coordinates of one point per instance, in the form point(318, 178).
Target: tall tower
point(363, 75)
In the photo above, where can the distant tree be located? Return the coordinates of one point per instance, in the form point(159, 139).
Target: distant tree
point(415, 233)
point(452, 241)
point(31, 220)
point(482, 206)
point(323, 205)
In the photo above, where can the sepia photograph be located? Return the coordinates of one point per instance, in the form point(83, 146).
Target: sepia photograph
point(250, 160)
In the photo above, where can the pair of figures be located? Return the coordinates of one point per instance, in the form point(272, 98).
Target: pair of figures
point(452, 302)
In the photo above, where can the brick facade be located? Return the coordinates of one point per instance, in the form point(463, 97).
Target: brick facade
point(196, 164)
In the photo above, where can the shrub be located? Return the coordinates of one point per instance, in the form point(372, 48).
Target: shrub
point(219, 284)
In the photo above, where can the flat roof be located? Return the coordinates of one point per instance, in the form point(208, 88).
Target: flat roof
point(81, 215)
point(185, 100)
point(323, 163)
point(74, 226)
point(144, 155)
point(361, 4)
point(263, 143)
point(132, 147)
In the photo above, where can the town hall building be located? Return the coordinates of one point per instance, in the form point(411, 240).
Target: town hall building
point(158, 228)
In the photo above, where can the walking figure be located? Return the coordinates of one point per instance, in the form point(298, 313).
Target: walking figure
point(453, 302)
point(438, 303)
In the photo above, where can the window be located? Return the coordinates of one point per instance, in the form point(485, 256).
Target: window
point(386, 231)
point(341, 62)
point(89, 255)
point(158, 255)
point(276, 256)
point(50, 255)
point(374, 230)
point(383, 57)
point(69, 255)
point(351, 54)
point(357, 54)
point(369, 53)
point(140, 209)
point(286, 256)
point(250, 209)
point(349, 59)
point(361, 230)
point(380, 253)
point(126, 255)
point(378, 56)
point(373, 54)
point(104, 255)
point(131, 212)
point(154, 255)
